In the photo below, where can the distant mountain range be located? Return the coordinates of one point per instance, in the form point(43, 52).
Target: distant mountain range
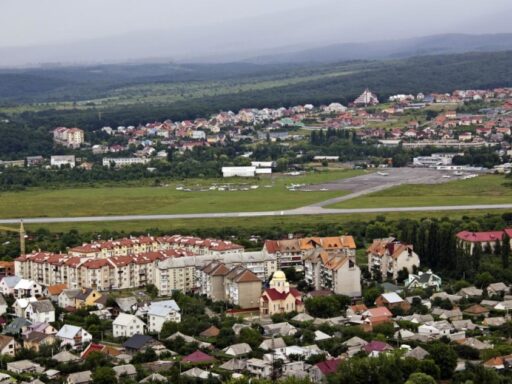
point(428, 45)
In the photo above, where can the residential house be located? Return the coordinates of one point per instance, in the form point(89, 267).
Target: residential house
point(259, 367)
point(34, 340)
point(280, 298)
point(279, 329)
point(126, 325)
point(161, 311)
point(274, 344)
point(83, 377)
point(376, 347)
point(67, 298)
point(16, 326)
point(40, 311)
point(3, 305)
point(417, 353)
point(497, 289)
point(53, 291)
point(476, 310)
point(27, 288)
point(20, 306)
point(470, 292)
point(73, 336)
point(139, 343)
point(211, 331)
point(198, 357)
point(127, 371)
point(7, 284)
point(8, 346)
point(240, 349)
point(389, 256)
point(423, 280)
point(87, 298)
point(392, 301)
point(201, 374)
point(319, 372)
point(354, 345)
point(24, 366)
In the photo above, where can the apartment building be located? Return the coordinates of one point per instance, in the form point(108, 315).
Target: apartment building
point(290, 252)
point(334, 271)
point(120, 162)
point(68, 137)
point(389, 256)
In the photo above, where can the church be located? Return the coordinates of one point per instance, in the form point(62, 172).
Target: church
point(280, 298)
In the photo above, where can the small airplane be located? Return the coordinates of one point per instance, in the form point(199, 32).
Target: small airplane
point(382, 173)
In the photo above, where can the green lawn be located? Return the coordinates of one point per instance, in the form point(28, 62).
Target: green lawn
point(489, 189)
point(122, 200)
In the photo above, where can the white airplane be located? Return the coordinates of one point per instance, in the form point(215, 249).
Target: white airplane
point(382, 173)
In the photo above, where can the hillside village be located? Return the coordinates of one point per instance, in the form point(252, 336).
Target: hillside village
point(413, 122)
point(181, 308)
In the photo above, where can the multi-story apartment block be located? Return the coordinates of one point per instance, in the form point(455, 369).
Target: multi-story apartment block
point(69, 137)
point(291, 252)
point(335, 271)
point(389, 256)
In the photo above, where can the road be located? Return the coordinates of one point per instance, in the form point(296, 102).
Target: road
point(310, 210)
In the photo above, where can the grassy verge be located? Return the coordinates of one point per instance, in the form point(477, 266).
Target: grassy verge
point(271, 194)
point(490, 189)
point(283, 223)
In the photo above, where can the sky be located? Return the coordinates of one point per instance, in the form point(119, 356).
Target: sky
point(65, 29)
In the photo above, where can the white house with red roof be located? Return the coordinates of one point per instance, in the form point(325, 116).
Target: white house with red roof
point(280, 298)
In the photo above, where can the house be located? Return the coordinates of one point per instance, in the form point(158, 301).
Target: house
point(476, 310)
point(34, 340)
point(20, 306)
point(198, 357)
point(83, 377)
point(448, 314)
point(8, 283)
point(273, 344)
point(354, 345)
point(494, 321)
point(423, 280)
point(281, 329)
point(497, 289)
point(8, 346)
point(63, 160)
point(470, 292)
point(3, 305)
point(65, 357)
point(319, 372)
point(211, 331)
point(234, 365)
point(53, 291)
point(106, 350)
point(258, 367)
point(24, 366)
point(417, 353)
point(487, 240)
point(280, 298)
point(126, 304)
point(139, 342)
point(27, 288)
point(161, 311)
point(128, 371)
point(240, 349)
point(126, 325)
point(154, 378)
point(476, 344)
point(67, 297)
point(198, 373)
point(189, 339)
point(73, 336)
point(375, 347)
point(16, 326)
point(40, 311)
point(87, 298)
point(392, 301)
point(303, 318)
point(389, 256)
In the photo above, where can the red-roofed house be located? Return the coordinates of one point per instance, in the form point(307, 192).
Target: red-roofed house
point(280, 298)
point(318, 373)
point(198, 357)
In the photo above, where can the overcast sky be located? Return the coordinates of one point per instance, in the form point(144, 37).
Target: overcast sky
point(207, 26)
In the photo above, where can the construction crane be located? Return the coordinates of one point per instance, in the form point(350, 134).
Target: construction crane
point(21, 231)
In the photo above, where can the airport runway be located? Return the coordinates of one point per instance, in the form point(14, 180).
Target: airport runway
point(310, 210)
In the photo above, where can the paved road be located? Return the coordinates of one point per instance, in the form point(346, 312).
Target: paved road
point(311, 210)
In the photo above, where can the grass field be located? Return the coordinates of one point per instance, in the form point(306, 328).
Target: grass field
point(303, 224)
point(123, 200)
point(489, 189)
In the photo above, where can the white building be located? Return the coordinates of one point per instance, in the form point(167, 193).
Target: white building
point(69, 137)
point(126, 325)
point(389, 256)
point(8, 283)
point(161, 311)
point(41, 311)
point(73, 336)
point(27, 288)
point(64, 160)
point(124, 161)
point(238, 171)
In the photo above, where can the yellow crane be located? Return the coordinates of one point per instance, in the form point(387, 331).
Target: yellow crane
point(21, 231)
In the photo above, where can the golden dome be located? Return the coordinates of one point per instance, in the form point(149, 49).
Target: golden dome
point(279, 275)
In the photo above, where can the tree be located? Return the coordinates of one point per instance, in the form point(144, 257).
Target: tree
point(251, 337)
point(104, 375)
point(482, 280)
point(445, 358)
point(420, 378)
point(152, 290)
point(505, 251)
